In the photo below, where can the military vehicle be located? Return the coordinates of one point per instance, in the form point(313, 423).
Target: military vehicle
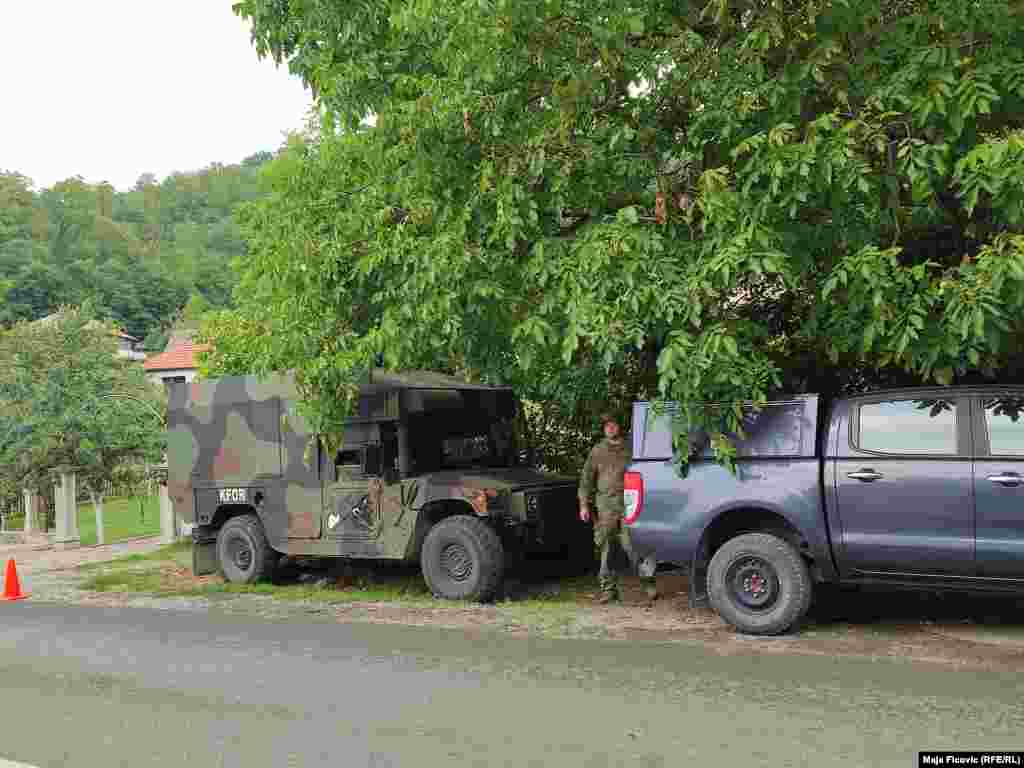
point(428, 471)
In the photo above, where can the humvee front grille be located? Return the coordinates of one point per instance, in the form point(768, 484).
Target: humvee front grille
point(533, 507)
point(550, 504)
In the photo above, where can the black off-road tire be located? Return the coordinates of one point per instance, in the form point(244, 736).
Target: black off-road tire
point(243, 554)
point(759, 584)
point(462, 559)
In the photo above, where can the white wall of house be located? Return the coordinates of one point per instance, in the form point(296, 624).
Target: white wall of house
point(126, 347)
point(159, 377)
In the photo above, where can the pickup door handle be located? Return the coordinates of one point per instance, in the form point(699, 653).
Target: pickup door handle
point(866, 475)
point(1007, 479)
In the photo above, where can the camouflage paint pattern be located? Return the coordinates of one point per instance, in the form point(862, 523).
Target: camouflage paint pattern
point(239, 441)
point(242, 434)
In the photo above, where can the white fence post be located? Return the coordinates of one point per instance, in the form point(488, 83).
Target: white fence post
point(67, 512)
point(167, 532)
point(30, 510)
point(98, 506)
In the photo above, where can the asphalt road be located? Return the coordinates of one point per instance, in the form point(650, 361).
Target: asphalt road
point(98, 687)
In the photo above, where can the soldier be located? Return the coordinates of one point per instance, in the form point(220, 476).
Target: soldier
point(603, 476)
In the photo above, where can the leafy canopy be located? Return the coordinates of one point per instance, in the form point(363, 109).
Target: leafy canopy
point(66, 398)
point(742, 193)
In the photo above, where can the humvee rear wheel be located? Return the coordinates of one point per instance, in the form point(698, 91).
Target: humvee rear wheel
point(243, 554)
point(462, 559)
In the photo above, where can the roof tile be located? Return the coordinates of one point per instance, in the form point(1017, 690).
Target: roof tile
point(181, 357)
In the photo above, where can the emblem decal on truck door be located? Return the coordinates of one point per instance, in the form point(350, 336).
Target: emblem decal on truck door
point(359, 514)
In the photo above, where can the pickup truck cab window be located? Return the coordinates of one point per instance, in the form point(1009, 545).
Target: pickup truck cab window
point(1004, 425)
point(910, 427)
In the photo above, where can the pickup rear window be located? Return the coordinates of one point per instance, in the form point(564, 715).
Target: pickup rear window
point(1004, 420)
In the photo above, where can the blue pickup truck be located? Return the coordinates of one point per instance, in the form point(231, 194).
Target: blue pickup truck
point(920, 488)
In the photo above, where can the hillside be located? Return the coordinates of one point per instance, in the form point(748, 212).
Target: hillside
point(137, 255)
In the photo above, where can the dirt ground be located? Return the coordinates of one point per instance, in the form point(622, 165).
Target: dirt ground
point(38, 557)
point(874, 624)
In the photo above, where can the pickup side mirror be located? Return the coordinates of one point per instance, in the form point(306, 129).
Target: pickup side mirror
point(372, 460)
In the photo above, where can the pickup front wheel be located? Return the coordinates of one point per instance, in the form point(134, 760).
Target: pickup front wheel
point(759, 583)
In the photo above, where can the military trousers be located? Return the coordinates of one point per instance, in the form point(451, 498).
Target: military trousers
point(610, 537)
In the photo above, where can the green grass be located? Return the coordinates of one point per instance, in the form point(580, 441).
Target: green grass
point(371, 593)
point(15, 523)
point(122, 519)
point(551, 604)
point(125, 580)
point(541, 615)
point(147, 574)
point(540, 603)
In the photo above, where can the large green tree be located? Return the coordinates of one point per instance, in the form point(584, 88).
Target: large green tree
point(66, 398)
point(727, 197)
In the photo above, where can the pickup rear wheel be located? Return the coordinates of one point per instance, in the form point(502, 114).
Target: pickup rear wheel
point(462, 559)
point(759, 583)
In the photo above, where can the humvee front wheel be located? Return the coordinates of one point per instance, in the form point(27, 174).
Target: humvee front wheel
point(243, 554)
point(462, 559)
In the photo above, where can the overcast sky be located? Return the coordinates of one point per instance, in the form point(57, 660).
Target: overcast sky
point(111, 89)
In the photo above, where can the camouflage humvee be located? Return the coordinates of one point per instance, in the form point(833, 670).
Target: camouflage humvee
point(427, 472)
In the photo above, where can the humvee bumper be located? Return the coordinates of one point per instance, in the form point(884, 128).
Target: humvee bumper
point(204, 553)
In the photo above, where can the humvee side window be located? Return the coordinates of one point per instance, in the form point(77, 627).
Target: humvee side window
point(348, 464)
point(348, 459)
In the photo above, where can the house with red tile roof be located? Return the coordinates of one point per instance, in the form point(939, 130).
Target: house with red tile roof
point(177, 363)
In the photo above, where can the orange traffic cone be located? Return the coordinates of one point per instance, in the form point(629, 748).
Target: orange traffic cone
point(12, 589)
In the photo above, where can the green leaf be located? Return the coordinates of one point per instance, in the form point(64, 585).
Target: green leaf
point(629, 215)
point(956, 121)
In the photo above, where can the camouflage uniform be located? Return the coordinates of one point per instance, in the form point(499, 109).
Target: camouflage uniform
point(603, 476)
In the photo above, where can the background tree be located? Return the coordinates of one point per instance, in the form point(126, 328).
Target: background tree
point(138, 255)
point(189, 319)
point(731, 197)
point(66, 398)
